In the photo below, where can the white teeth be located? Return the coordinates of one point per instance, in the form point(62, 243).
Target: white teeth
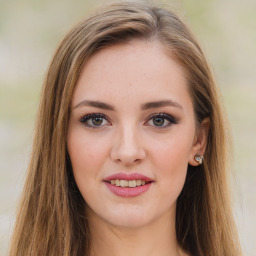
point(124, 183)
point(132, 183)
point(138, 182)
point(128, 183)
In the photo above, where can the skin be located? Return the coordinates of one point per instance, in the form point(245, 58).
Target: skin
point(127, 76)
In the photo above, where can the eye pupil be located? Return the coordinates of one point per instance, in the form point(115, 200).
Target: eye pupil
point(97, 120)
point(158, 121)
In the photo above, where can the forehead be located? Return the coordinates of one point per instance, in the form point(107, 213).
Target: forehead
point(135, 70)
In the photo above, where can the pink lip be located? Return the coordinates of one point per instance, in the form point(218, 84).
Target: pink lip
point(125, 176)
point(125, 191)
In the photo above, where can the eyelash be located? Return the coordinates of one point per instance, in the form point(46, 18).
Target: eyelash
point(86, 118)
point(171, 120)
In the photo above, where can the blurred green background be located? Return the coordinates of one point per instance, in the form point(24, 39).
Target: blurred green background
point(31, 30)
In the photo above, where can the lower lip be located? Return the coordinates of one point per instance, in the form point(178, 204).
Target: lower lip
point(128, 192)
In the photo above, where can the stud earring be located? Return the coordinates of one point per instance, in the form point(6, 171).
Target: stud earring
point(199, 159)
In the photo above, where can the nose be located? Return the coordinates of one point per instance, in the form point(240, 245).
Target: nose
point(127, 147)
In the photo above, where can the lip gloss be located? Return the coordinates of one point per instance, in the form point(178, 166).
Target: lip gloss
point(128, 191)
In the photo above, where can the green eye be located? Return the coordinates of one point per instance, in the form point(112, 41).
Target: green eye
point(97, 121)
point(94, 120)
point(161, 120)
point(158, 121)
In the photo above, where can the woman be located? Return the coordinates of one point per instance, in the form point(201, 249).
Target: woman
point(129, 155)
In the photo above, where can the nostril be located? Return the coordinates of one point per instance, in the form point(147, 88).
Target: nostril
point(126, 158)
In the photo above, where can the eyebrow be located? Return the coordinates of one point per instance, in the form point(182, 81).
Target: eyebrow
point(161, 103)
point(96, 104)
point(145, 106)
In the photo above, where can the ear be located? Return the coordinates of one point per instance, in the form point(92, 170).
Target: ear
point(200, 141)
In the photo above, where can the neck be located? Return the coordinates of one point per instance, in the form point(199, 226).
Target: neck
point(154, 239)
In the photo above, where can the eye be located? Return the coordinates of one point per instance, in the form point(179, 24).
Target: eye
point(94, 120)
point(161, 120)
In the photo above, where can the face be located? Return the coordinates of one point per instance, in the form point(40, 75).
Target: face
point(131, 133)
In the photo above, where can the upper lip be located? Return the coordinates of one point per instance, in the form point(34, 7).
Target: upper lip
point(125, 176)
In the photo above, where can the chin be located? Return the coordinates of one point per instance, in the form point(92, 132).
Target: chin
point(125, 216)
point(127, 222)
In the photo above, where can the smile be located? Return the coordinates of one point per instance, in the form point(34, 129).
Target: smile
point(128, 185)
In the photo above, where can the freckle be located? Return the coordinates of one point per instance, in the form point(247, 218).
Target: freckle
point(90, 155)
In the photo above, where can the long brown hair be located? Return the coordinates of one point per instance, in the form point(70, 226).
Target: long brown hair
point(51, 219)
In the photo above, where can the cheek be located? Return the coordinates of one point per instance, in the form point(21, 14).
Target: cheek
point(86, 153)
point(171, 153)
point(170, 162)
